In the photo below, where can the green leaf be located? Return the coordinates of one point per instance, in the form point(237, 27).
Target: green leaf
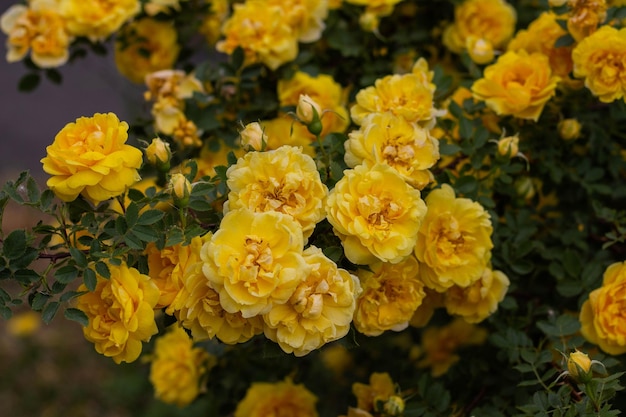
point(66, 274)
point(15, 244)
point(26, 276)
point(49, 312)
point(29, 82)
point(77, 315)
point(132, 214)
point(34, 194)
point(39, 301)
point(145, 233)
point(103, 270)
point(150, 217)
point(79, 257)
point(90, 280)
point(54, 76)
point(132, 241)
point(70, 295)
point(565, 40)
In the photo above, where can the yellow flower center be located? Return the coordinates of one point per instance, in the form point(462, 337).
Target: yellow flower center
point(450, 239)
point(379, 212)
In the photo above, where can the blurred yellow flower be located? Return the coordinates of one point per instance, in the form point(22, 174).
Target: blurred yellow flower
point(120, 312)
point(38, 28)
point(97, 19)
point(254, 261)
point(599, 59)
point(212, 24)
point(24, 324)
point(154, 7)
point(491, 22)
point(376, 214)
point(388, 139)
point(454, 241)
point(439, 344)
point(585, 16)
point(380, 388)
point(177, 367)
point(319, 311)
point(304, 17)
point(284, 130)
point(284, 398)
point(283, 180)
point(90, 157)
point(569, 129)
point(602, 315)
point(145, 46)
point(391, 294)
point(478, 301)
point(262, 32)
point(518, 84)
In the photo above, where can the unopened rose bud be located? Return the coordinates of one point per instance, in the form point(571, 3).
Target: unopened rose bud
point(479, 49)
point(180, 189)
point(369, 21)
point(394, 406)
point(508, 146)
point(309, 112)
point(252, 137)
point(579, 366)
point(159, 154)
point(525, 188)
point(569, 129)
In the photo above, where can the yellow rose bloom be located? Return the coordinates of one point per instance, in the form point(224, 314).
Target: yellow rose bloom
point(284, 130)
point(388, 139)
point(540, 36)
point(305, 17)
point(323, 90)
point(518, 84)
point(491, 21)
point(320, 309)
point(585, 16)
point(120, 312)
point(262, 33)
point(284, 398)
point(380, 388)
point(90, 157)
point(97, 19)
point(391, 294)
point(406, 95)
point(376, 214)
point(39, 29)
point(439, 344)
point(145, 46)
point(454, 242)
point(254, 261)
point(213, 21)
point(602, 315)
point(599, 59)
point(177, 367)
point(283, 180)
point(478, 301)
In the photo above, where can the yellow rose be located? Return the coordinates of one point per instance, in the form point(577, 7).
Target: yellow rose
point(602, 316)
point(585, 16)
point(284, 130)
point(599, 60)
point(97, 19)
point(388, 139)
point(304, 17)
point(406, 95)
point(439, 344)
point(90, 157)
point(262, 32)
point(323, 90)
point(320, 309)
point(454, 241)
point(254, 261)
point(518, 84)
point(282, 398)
point(283, 180)
point(391, 294)
point(120, 312)
point(177, 367)
point(376, 214)
point(145, 46)
point(252, 137)
point(491, 21)
point(38, 28)
point(478, 301)
point(380, 388)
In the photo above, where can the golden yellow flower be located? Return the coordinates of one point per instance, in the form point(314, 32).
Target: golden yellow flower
point(478, 301)
point(391, 294)
point(540, 36)
point(376, 214)
point(212, 24)
point(337, 358)
point(145, 46)
point(439, 344)
point(518, 84)
point(602, 315)
point(381, 387)
point(585, 16)
point(24, 324)
point(319, 311)
point(39, 29)
point(454, 241)
point(262, 33)
point(284, 398)
point(97, 19)
point(254, 261)
point(90, 157)
point(177, 367)
point(323, 90)
point(599, 59)
point(284, 130)
point(489, 21)
point(406, 95)
point(283, 180)
point(304, 17)
point(388, 139)
point(120, 312)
